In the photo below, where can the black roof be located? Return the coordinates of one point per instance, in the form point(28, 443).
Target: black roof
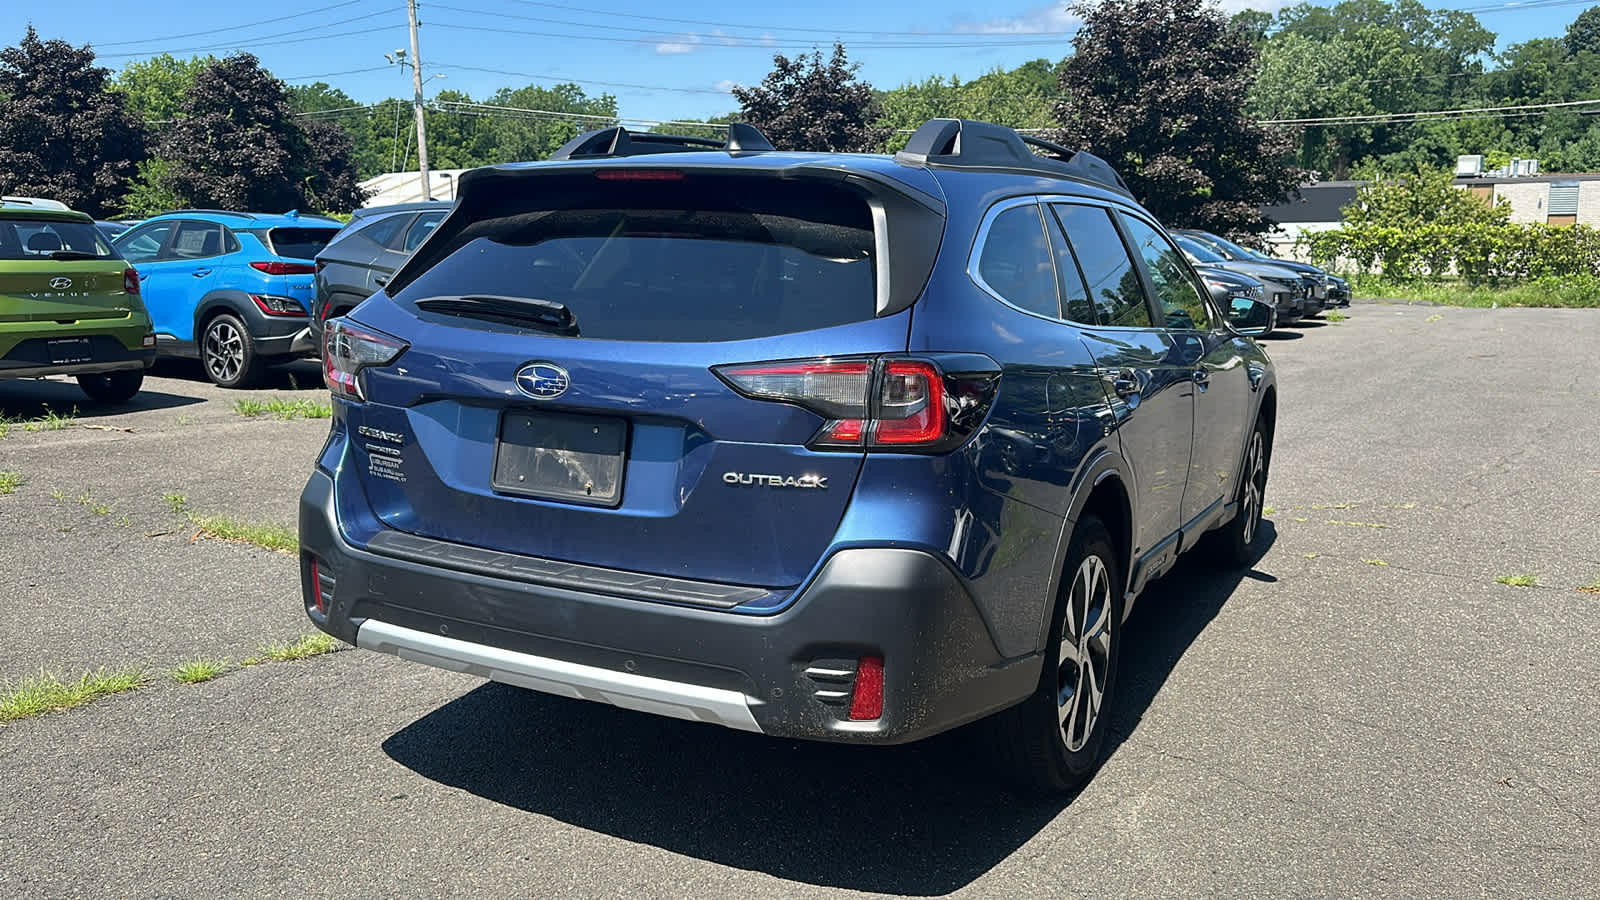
point(1322, 202)
point(416, 206)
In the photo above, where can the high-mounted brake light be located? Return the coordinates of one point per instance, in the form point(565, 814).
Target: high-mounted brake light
point(130, 281)
point(347, 349)
point(284, 268)
point(639, 175)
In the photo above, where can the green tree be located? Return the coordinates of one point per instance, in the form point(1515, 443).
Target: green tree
point(1420, 197)
point(237, 145)
point(155, 87)
point(1583, 35)
point(808, 104)
point(1157, 88)
point(532, 127)
point(63, 133)
point(1023, 97)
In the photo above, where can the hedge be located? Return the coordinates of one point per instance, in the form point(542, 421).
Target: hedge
point(1477, 253)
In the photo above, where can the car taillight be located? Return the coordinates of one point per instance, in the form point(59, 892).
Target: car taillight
point(130, 281)
point(278, 306)
point(284, 268)
point(905, 405)
point(349, 348)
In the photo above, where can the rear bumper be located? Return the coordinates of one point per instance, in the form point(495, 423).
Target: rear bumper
point(31, 359)
point(791, 674)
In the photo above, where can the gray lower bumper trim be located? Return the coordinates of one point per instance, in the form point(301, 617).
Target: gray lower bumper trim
point(553, 676)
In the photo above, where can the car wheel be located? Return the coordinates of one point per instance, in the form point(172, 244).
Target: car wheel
point(1236, 544)
point(1053, 740)
point(112, 387)
point(228, 353)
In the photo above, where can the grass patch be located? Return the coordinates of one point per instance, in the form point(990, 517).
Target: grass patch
point(199, 669)
point(50, 421)
point(176, 501)
point(48, 691)
point(1375, 562)
point(261, 534)
point(1268, 510)
point(306, 646)
point(1581, 292)
point(279, 408)
point(86, 499)
point(1335, 316)
point(10, 481)
point(1434, 318)
point(1518, 580)
point(1592, 587)
point(1357, 524)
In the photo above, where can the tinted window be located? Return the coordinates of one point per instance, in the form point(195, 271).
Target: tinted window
point(1197, 251)
point(1175, 289)
point(46, 239)
point(198, 240)
point(386, 231)
point(299, 243)
point(1074, 293)
point(1108, 271)
point(144, 244)
point(1015, 262)
point(419, 230)
point(697, 262)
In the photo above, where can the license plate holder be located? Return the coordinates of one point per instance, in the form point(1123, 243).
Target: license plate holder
point(67, 351)
point(557, 456)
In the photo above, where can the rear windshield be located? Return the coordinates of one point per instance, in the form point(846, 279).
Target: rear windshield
point(299, 243)
point(690, 262)
point(48, 239)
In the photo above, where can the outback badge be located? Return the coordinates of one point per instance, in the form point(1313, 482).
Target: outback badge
point(777, 481)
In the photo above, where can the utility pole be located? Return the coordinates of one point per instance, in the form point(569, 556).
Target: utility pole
point(416, 85)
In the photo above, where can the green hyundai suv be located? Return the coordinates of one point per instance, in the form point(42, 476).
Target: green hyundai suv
point(69, 302)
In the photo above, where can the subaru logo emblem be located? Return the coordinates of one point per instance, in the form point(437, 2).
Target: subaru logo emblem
point(543, 380)
point(60, 284)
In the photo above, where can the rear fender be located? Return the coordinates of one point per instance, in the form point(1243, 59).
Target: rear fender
point(1102, 465)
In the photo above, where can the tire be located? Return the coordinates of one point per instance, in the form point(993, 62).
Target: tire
point(1236, 545)
point(112, 387)
point(1052, 742)
point(228, 354)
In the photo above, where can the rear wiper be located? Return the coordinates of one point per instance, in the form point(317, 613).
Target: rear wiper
point(528, 312)
point(75, 254)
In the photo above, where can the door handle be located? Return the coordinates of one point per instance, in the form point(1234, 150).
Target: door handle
point(1126, 384)
point(200, 273)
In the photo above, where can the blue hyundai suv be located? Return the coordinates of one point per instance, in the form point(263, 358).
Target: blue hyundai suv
point(846, 447)
point(232, 289)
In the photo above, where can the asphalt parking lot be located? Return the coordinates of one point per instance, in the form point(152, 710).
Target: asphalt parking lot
point(1366, 713)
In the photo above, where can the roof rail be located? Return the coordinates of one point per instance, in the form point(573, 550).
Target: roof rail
point(966, 143)
point(213, 212)
point(605, 143)
point(36, 202)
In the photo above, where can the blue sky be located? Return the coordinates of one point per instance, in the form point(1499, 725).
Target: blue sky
point(662, 61)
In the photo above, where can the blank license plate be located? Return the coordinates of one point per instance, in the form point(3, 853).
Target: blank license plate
point(70, 350)
point(576, 459)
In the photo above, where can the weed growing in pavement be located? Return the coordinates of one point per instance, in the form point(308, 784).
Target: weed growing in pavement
point(308, 645)
point(1434, 318)
point(1336, 317)
point(263, 534)
point(1268, 510)
point(1374, 562)
point(10, 481)
point(58, 493)
point(194, 671)
point(47, 691)
point(1592, 587)
point(185, 420)
point(51, 421)
point(175, 500)
point(280, 408)
point(1518, 580)
point(1399, 506)
point(1358, 524)
point(87, 499)
point(1312, 555)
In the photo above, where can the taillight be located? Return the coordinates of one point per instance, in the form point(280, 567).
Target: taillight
point(347, 349)
point(284, 268)
point(130, 281)
point(278, 306)
point(906, 405)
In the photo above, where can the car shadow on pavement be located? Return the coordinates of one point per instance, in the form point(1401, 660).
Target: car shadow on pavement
point(1278, 334)
point(29, 399)
point(922, 819)
point(299, 374)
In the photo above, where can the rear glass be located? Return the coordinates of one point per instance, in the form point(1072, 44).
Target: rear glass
point(300, 243)
point(719, 260)
point(46, 239)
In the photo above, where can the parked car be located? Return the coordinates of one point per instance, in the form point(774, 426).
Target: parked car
point(69, 303)
point(1314, 277)
point(364, 254)
point(1226, 285)
point(111, 229)
point(716, 432)
point(1284, 288)
point(1339, 293)
point(232, 289)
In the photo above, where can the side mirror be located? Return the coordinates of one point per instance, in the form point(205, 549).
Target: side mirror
point(1250, 317)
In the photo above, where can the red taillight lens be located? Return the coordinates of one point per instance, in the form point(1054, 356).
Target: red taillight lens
point(130, 281)
point(639, 175)
point(349, 348)
point(910, 403)
point(284, 268)
point(867, 701)
point(278, 306)
point(316, 588)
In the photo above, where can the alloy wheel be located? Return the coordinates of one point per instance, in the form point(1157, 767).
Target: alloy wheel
point(1255, 484)
point(1085, 656)
point(224, 351)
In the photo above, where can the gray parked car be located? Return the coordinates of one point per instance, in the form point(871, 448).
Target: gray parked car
point(362, 256)
point(1318, 280)
point(1285, 289)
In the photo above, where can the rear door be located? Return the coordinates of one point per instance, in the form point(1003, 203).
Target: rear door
point(1147, 373)
point(605, 436)
point(177, 272)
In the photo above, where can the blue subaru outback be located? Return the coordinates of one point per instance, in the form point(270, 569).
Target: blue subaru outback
point(847, 447)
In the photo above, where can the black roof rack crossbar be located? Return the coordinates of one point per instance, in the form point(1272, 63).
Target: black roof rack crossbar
point(603, 143)
point(964, 142)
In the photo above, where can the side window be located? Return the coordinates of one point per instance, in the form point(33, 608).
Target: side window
point(420, 229)
point(1015, 261)
point(1074, 293)
point(1108, 271)
point(1181, 300)
point(386, 231)
point(144, 244)
point(198, 240)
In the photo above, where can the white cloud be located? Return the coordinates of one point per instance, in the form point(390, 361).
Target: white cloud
point(768, 40)
point(1038, 20)
point(683, 43)
point(726, 85)
point(724, 38)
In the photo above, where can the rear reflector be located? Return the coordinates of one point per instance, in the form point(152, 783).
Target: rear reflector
point(316, 588)
point(867, 702)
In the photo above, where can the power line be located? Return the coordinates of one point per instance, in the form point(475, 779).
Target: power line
point(564, 80)
point(1486, 112)
point(729, 41)
point(211, 31)
point(299, 38)
point(770, 28)
point(334, 74)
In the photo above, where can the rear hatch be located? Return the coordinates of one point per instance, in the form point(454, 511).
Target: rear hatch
point(293, 273)
point(559, 397)
point(59, 270)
